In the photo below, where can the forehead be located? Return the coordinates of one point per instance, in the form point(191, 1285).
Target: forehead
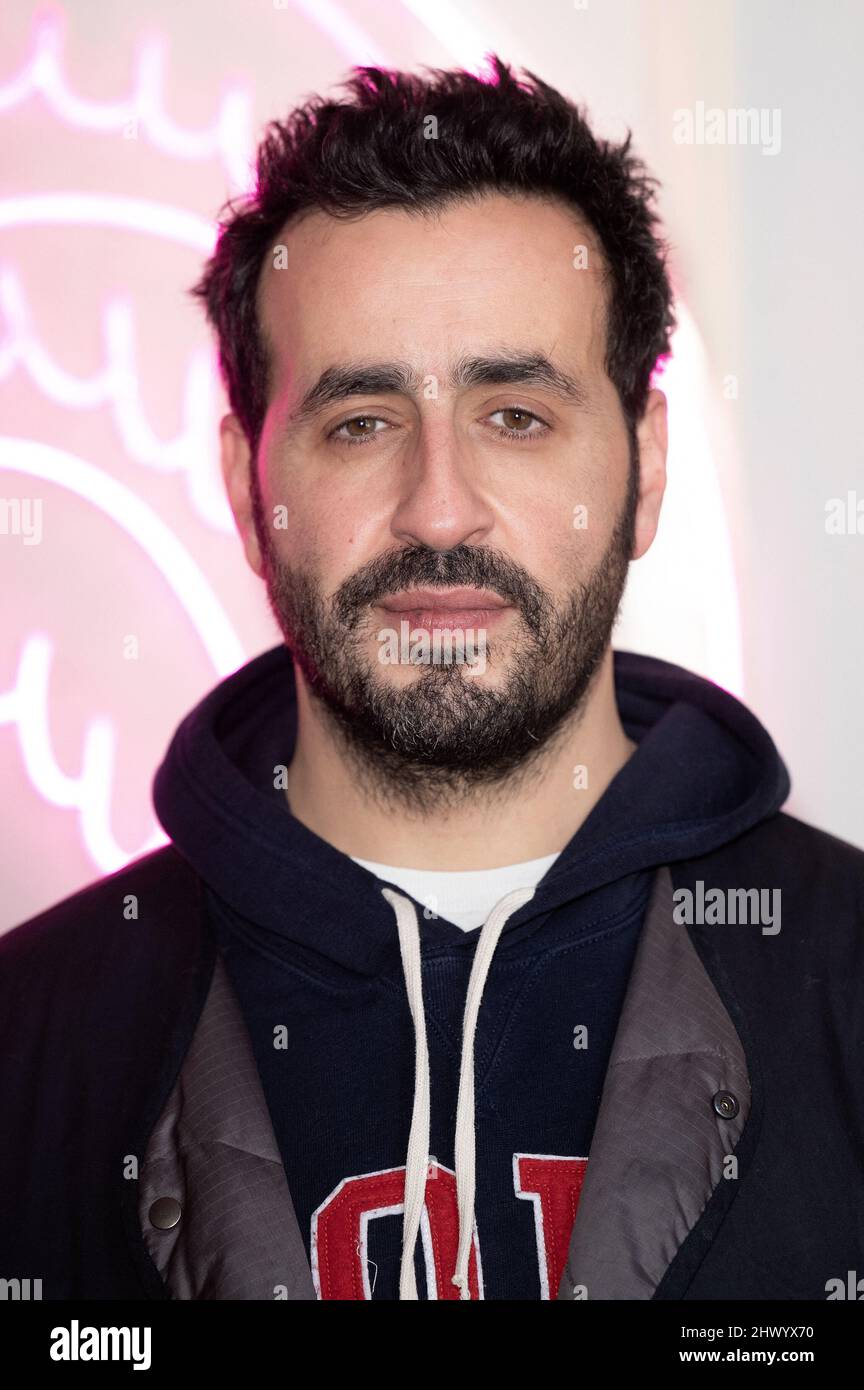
point(429, 288)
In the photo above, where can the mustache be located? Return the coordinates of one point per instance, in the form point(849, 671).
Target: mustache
point(479, 566)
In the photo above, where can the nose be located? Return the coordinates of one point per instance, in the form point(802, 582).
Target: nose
point(443, 501)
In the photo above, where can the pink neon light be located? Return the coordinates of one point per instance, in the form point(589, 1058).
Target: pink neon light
point(107, 210)
point(146, 528)
point(342, 29)
point(228, 139)
point(26, 705)
point(455, 31)
point(190, 451)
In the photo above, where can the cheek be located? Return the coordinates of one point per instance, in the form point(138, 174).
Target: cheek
point(568, 540)
point(325, 546)
point(339, 528)
point(596, 494)
point(301, 523)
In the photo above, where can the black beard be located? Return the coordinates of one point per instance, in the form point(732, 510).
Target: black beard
point(432, 742)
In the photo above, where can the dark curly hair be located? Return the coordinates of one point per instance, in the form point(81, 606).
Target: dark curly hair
point(370, 151)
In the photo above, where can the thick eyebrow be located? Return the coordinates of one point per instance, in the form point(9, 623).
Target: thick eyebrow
point(339, 383)
point(519, 369)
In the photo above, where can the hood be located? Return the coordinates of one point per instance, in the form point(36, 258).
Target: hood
point(704, 772)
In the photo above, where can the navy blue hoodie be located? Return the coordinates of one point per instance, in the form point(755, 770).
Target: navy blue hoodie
point(312, 949)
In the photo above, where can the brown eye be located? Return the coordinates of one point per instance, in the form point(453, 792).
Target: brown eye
point(358, 429)
point(516, 423)
point(360, 426)
point(517, 419)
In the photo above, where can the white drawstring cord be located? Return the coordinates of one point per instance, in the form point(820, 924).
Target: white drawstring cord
point(417, 1159)
point(465, 1146)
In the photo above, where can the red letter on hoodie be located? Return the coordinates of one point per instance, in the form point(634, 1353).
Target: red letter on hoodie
point(341, 1268)
point(553, 1185)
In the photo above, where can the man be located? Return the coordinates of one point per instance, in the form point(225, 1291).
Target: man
point(482, 963)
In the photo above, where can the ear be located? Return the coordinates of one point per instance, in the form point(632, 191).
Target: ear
point(237, 473)
point(652, 438)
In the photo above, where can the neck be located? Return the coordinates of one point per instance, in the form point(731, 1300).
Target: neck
point(521, 818)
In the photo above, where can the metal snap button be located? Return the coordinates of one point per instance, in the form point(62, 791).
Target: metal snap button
point(165, 1213)
point(726, 1104)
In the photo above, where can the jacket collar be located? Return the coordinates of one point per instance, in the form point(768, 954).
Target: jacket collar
point(212, 1170)
point(662, 1141)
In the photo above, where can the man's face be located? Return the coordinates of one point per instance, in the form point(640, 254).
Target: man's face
point(440, 421)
